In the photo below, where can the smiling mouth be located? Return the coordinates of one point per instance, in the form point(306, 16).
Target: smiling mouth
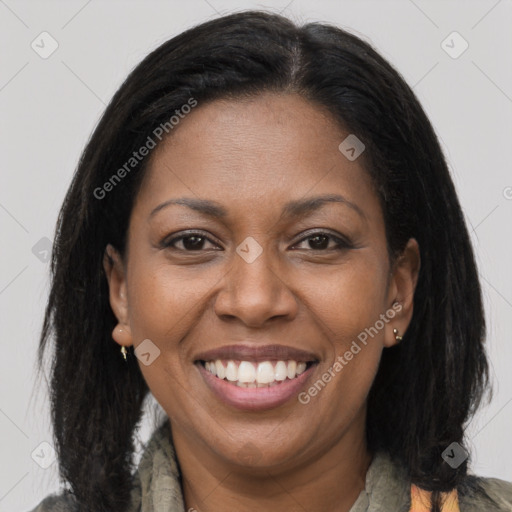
point(263, 374)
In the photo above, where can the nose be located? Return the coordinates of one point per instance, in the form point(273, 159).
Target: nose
point(255, 292)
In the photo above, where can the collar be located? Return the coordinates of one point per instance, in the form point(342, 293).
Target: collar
point(387, 488)
point(157, 482)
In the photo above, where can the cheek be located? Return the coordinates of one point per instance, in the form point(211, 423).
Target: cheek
point(164, 308)
point(346, 300)
point(348, 305)
point(165, 302)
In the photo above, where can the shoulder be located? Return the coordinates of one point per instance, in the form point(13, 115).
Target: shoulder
point(489, 494)
point(57, 503)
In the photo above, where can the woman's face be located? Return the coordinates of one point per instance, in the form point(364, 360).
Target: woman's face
point(270, 278)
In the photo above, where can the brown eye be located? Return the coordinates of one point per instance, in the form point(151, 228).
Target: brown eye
point(194, 241)
point(320, 242)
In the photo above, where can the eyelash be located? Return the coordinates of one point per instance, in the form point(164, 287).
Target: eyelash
point(341, 243)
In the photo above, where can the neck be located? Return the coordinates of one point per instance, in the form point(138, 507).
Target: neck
point(330, 480)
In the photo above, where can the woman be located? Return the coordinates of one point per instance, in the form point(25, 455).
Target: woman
point(263, 234)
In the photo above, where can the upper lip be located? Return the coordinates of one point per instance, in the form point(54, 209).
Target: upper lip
point(257, 353)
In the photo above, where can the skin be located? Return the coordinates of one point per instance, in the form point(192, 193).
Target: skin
point(252, 157)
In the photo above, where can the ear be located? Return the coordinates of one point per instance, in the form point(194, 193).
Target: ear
point(404, 277)
point(116, 276)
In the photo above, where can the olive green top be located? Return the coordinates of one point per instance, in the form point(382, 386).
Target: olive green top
point(157, 486)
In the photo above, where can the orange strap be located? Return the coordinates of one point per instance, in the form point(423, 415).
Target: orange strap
point(420, 500)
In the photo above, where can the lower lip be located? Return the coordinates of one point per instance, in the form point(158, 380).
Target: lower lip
point(255, 399)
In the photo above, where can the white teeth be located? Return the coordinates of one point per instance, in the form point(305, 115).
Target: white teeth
point(291, 370)
point(212, 368)
point(281, 370)
point(255, 375)
point(246, 372)
point(221, 371)
point(231, 371)
point(265, 373)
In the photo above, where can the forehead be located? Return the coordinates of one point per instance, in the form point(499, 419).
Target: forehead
point(255, 153)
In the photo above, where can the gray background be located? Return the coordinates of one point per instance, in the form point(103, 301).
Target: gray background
point(49, 108)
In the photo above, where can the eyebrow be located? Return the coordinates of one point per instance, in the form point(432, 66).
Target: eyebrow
point(297, 208)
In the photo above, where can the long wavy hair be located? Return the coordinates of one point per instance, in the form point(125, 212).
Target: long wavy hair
point(427, 387)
